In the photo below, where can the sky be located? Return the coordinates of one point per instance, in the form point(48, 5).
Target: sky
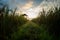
point(31, 7)
point(17, 3)
point(27, 4)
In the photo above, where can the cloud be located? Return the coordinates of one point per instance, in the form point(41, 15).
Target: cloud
point(28, 5)
point(29, 0)
point(48, 4)
point(52, 2)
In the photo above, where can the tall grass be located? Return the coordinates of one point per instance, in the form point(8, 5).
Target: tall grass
point(44, 27)
point(9, 23)
point(52, 22)
point(32, 31)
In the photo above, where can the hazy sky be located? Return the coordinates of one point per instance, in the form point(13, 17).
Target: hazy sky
point(31, 7)
point(17, 3)
point(27, 3)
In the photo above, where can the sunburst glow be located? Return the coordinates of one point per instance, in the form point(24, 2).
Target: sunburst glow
point(31, 13)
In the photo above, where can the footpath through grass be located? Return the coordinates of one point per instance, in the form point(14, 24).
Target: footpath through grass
point(31, 31)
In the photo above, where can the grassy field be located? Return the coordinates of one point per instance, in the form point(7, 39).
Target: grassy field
point(32, 31)
point(44, 27)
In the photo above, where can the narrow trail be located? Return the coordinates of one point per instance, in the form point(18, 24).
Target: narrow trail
point(32, 31)
point(30, 23)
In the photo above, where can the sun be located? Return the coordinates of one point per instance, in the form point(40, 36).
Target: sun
point(31, 14)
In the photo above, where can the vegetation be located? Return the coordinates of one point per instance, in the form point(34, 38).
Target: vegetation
point(52, 22)
point(31, 31)
point(9, 23)
point(14, 27)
